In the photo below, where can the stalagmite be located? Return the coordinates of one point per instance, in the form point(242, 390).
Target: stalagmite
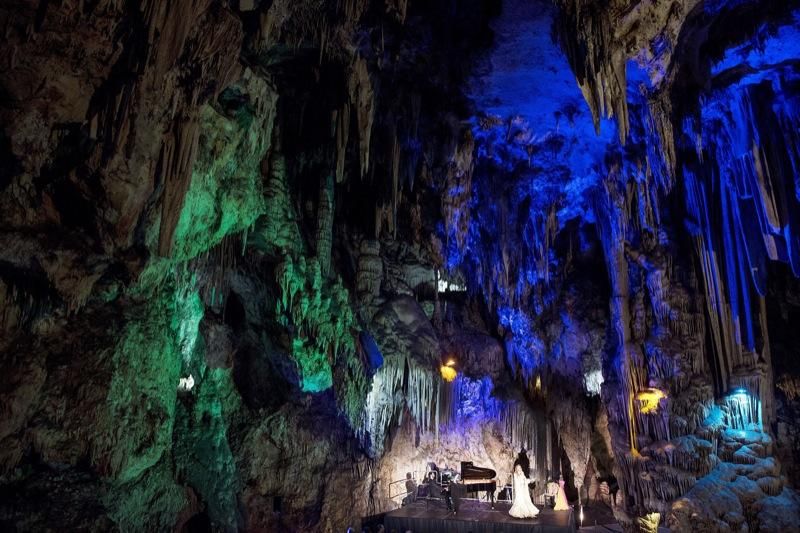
point(325, 211)
point(370, 269)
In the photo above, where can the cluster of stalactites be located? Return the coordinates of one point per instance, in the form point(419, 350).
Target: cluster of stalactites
point(740, 201)
point(513, 277)
point(586, 32)
point(401, 386)
point(390, 395)
point(212, 266)
point(531, 430)
point(455, 201)
point(466, 401)
point(744, 406)
point(740, 205)
point(295, 22)
point(319, 308)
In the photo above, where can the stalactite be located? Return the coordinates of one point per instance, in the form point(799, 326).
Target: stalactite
point(455, 203)
point(352, 9)
point(586, 36)
point(342, 122)
point(661, 135)
point(574, 427)
point(178, 153)
point(522, 427)
point(362, 98)
point(398, 7)
point(278, 230)
point(613, 225)
point(395, 159)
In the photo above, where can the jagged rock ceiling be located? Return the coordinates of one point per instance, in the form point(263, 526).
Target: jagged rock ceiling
point(238, 240)
point(530, 112)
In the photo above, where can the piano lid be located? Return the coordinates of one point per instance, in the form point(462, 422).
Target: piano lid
point(470, 471)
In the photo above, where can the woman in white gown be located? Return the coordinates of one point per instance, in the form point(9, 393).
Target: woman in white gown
point(523, 506)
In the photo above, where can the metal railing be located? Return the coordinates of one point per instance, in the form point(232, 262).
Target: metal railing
point(403, 481)
point(397, 489)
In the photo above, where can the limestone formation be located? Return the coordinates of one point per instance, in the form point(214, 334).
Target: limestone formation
point(259, 260)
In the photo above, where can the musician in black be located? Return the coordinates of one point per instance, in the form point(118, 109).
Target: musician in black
point(436, 489)
point(523, 461)
point(448, 474)
point(411, 490)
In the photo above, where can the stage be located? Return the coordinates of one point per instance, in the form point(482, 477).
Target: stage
point(474, 517)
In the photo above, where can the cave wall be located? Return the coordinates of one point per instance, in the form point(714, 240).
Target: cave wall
point(687, 314)
point(687, 186)
point(209, 211)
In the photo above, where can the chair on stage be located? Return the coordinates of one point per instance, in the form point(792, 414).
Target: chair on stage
point(550, 494)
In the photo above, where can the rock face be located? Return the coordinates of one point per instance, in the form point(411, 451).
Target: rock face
point(258, 260)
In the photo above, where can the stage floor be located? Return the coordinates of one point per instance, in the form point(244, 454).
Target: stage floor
point(474, 517)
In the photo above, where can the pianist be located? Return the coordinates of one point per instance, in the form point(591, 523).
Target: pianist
point(448, 474)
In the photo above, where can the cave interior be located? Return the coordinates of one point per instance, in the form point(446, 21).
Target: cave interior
point(259, 259)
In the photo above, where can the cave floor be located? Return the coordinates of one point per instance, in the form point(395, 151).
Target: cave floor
point(599, 518)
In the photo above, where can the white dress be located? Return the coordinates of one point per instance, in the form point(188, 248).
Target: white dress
point(523, 506)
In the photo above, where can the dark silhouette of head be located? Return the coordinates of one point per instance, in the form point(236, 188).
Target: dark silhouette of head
point(523, 462)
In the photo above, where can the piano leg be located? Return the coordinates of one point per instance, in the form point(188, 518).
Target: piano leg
point(455, 494)
point(491, 495)
point(448, 499)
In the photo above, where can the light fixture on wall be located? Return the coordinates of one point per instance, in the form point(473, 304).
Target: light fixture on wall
point(186, 384)
point(739, 394)
point(448, 370)
point(649, 399)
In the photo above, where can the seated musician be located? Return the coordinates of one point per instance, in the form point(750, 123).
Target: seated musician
point(411, 490)
point(550, 493)
point(436, 490)
point(448, 474)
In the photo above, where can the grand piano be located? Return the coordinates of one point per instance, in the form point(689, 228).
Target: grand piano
point(475, 479)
